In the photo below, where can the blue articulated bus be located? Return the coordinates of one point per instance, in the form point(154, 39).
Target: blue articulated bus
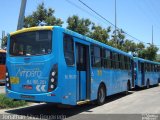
point(53, 64)
point(146, 72)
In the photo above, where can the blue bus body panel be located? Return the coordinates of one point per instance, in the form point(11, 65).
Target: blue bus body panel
point(151, 76)
point(115, 81)
point(36, 70)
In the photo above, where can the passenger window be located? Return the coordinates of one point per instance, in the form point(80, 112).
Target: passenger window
point(68, 50)
point(107, 54)
point(139, 66)
point(96, 56)
point(123, 62)
point(106, 59)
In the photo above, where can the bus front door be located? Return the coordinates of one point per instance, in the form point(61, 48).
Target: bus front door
point(83, 72)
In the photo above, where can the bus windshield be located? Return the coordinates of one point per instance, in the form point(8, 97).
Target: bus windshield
point(31, 43)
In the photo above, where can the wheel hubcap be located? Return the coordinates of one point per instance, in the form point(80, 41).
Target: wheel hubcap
point(101, 95)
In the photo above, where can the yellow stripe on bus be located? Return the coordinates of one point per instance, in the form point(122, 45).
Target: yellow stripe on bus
point(83, 102)
point(32, 29)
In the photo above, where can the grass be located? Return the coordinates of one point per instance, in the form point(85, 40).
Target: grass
point(9, 103)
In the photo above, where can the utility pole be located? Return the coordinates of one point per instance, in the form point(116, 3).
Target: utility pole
point(115, 34)
point(21, 14)
point(152, 34)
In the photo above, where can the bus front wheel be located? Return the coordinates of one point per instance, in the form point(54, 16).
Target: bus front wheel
point(101, 96)
point(128, 88)
point(148, 84)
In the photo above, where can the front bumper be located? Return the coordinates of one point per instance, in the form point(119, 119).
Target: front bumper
point(42, 97)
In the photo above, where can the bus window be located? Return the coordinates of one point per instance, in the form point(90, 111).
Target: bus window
point(114, 60)
point(155, 68)
point(96, 56)
point(123, 62)
point(146, 68)
point(68, 50)
point(31, 43)
point(119, 59)
point(149, 67)
point(126, 59)
point(107, 61)
point(139, 66)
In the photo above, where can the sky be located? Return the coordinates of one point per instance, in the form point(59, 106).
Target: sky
point(135, 17)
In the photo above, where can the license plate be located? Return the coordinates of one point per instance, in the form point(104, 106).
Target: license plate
point(29, 87)
point(27, 96)
point(14, 80)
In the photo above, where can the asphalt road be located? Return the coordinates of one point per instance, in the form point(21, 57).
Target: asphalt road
point(134, 106)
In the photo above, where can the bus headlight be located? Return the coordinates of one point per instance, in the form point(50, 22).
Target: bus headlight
point(53, 78)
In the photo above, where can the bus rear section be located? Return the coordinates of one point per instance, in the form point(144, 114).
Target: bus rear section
point(146, 72)
point(32, 66)
point(2, 66)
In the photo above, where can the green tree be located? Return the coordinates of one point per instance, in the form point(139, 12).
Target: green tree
point(120, 36)
point(112, 43)
point(4, 42)
point(149, 53)
point(129, 46)
point(158, 58)
point(140, 46)
point(100, 34)
point(42, 16)
point(79, 25)
point(118, 40)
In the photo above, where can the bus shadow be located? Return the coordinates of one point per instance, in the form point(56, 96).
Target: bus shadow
point(45, 110)
point(144, 88)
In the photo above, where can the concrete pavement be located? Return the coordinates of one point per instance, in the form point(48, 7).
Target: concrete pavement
point(139, 102)
point(2, 89)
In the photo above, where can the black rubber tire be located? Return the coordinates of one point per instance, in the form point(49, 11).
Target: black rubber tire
point(128, 88)
point(101, 95)
point(148, 84)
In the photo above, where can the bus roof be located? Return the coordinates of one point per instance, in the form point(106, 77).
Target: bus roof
point(32, 29)
point(2, 51)
point(94, 41)
point(73, 34)
point(147, 61)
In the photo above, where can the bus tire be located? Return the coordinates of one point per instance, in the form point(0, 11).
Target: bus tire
point(157, 83)
point(148, 84)
point(101, 95)
point(128, 87)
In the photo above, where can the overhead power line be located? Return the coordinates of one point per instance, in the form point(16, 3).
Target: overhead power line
point(84, 10)
point(96, 13)
point(111, 22)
